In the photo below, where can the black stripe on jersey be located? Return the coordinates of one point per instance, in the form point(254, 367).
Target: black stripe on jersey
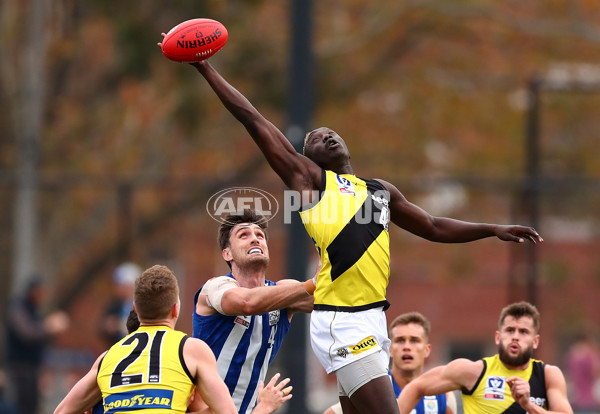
point(384, 303)
point(183, 365)
point(472, 390)
point(537, 382)
point(355, 238)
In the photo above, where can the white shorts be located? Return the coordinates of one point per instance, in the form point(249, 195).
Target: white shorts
point(339, 338)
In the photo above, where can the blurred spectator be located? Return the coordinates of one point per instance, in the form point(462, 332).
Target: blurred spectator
point(112, 325)
point(28, 334)
point(6, 406)
point(583, 373)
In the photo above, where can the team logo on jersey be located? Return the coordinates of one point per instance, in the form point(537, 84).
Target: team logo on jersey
point(274, 317)
point(494, 388)
point(243, 320)
point(430, 404)
point(138, 400)
point(364, 345)
point(345, 186)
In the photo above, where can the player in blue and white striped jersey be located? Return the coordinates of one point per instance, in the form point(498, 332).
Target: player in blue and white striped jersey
point(242, 316)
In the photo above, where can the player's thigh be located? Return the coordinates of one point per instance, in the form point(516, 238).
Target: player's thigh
point(364, 386)
point(376, 396)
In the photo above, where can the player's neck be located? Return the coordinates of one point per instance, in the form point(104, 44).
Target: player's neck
point(516, 368)
point(166, 322)
point(250, 278)
point(403, 377)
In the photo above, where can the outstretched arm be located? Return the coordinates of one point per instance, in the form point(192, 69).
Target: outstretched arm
point(414, 219)
point(458, 374)
point(84, 395)
point(224, 295)
point(297, 172)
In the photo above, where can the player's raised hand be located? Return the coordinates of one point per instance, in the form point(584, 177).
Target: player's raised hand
point(272, 395)
point(517, 234)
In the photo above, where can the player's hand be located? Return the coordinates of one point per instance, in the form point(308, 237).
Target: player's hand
point(273, 395)
point(160, 43)
point(57, 322)
point(518, 234)
point(520, 390)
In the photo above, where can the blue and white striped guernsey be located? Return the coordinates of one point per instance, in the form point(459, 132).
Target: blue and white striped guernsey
point(244, 347)
point(429, 404)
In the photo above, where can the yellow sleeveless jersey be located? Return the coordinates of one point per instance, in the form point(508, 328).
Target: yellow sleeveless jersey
point(145, 372)
point(349, 226)
point(491, 394)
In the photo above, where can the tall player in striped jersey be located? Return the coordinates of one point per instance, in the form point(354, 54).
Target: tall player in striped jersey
point(156, 368)
point(242, 316)
point(510, 382)
point(347, 217)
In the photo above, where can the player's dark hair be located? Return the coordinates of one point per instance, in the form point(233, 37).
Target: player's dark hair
point(519, 310)
point(133, 323)
point(412, 317)
point(232, 220)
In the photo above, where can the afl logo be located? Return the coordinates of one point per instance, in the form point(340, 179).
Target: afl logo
point(235, 200)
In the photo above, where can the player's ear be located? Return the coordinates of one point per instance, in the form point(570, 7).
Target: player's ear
point(427, 350)
point(536, 341)
point(497, 338)
point(226, 252)
point(175, 310)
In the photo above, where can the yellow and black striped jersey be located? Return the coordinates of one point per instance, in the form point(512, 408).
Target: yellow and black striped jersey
point(491, 394)
point(349, 226)
point(145, 372)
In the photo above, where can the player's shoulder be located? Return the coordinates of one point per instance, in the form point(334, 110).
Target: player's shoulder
point(466, 368)
point(553, 373)
point(221, 281)
point(195, 347)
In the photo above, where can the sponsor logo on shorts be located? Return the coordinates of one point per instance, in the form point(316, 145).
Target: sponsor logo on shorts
point(364, 345)
point(494, 388)
point(138, 400)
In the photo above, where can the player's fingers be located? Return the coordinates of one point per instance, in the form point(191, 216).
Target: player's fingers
point(274, 380)
point(261, 386)
point(283, 383)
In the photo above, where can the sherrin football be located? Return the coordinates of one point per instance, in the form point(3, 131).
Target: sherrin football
point(194, 40)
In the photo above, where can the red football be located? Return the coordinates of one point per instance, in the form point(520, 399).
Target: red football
point(194, 40)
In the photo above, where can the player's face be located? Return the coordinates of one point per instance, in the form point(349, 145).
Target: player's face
point(247, 246)
point(326, 148)
point(516, 341)
point(409, 347)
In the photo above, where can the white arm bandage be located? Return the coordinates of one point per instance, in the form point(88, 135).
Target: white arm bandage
point(214, 290)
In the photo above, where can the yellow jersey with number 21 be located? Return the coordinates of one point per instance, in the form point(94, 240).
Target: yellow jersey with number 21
point(145, 372)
